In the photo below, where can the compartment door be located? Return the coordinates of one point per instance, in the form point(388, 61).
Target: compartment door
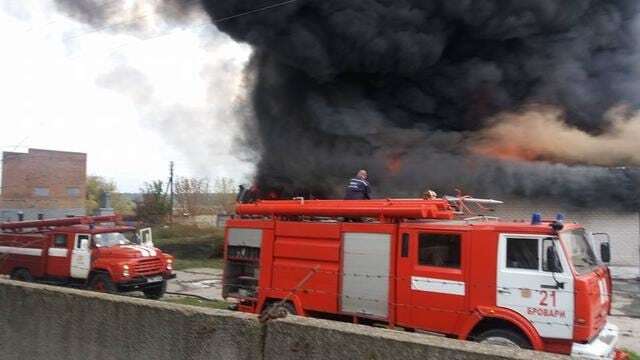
point(437, 289)
point(59, 258)
point(365, 274)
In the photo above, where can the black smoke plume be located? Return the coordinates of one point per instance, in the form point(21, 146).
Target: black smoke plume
point(399, 87)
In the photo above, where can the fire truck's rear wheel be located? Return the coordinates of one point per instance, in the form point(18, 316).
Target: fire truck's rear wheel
point(21, 275)
point(503, 337)
point(102, 283)
point(155, 292)
point(278, 310)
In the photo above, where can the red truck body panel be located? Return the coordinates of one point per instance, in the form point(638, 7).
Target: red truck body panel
point(30, 258)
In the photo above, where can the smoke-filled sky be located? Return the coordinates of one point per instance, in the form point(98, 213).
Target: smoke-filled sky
point(135, 88)
point(523, 97)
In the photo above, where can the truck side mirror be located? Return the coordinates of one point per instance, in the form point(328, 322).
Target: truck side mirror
point(605, 252)
point(605, 248)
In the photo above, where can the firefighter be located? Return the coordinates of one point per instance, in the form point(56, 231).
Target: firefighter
point(358, 188)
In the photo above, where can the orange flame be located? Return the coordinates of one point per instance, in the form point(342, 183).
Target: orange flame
point(508, 152)
point(394, 164)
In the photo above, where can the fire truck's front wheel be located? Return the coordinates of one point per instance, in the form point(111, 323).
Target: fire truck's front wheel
point(503, 337)
point(155, 292)
point(101, 282)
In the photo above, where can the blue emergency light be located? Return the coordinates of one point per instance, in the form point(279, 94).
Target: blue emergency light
point(536, 218)
point(558, 224)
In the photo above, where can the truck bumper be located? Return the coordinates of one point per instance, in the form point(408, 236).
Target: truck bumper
point(601, 347)
point(143, 282)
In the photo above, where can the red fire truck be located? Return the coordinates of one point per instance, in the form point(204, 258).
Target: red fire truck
point(411, 264)
point(92, 252)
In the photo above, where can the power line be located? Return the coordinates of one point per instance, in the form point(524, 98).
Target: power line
point(195, 25)
point(20, 143)
point(253, 11)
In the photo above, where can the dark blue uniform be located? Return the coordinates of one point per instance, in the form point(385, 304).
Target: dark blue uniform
point(357, 189)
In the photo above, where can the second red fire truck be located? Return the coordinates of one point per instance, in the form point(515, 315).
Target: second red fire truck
point(92, 252)
point(410, 264)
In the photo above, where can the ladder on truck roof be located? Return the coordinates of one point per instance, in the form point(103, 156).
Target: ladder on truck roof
point(434, 208)
point(41, 224)
point(380, 208)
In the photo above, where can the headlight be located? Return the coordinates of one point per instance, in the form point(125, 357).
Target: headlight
point(125, 270)
point(169, 264)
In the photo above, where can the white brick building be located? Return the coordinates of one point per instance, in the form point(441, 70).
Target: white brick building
point(623, 226)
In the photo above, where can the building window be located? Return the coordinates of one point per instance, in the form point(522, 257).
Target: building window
point(73, 191)
point(41, 191)
point(522, 253)
point(442, 250)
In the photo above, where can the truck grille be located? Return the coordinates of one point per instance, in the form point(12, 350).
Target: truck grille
point(148, 266)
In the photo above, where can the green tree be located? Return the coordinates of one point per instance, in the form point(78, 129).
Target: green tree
point(154, 207)
point(96, 186)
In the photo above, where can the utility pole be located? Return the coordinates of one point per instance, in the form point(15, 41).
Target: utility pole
point(170, 186)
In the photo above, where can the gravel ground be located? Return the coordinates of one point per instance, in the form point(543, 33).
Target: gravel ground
point(626, 313)
point(202, 282)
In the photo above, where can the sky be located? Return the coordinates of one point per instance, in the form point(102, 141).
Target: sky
point(132, 102)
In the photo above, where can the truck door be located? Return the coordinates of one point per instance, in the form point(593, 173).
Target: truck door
point(530, 284)
point(58, 256)
point(431, 286)
point(81, 256)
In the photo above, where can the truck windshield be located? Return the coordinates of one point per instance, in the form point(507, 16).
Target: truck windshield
point(582, 255)
point(110, 239)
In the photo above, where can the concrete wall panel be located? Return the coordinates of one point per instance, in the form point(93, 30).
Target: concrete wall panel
point(45, 322)
point(312, 339)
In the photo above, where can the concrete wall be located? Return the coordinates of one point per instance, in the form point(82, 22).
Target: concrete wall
point(44, 322)
point(313, 339)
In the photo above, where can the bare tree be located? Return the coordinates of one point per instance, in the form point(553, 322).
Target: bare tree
point(193, 196)
point(224, 185)
point(224, 194)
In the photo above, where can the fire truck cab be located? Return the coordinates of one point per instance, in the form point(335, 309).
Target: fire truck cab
point(91, 252)
point(411, 265)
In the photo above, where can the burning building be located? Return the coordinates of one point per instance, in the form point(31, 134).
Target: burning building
point(623, 225)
